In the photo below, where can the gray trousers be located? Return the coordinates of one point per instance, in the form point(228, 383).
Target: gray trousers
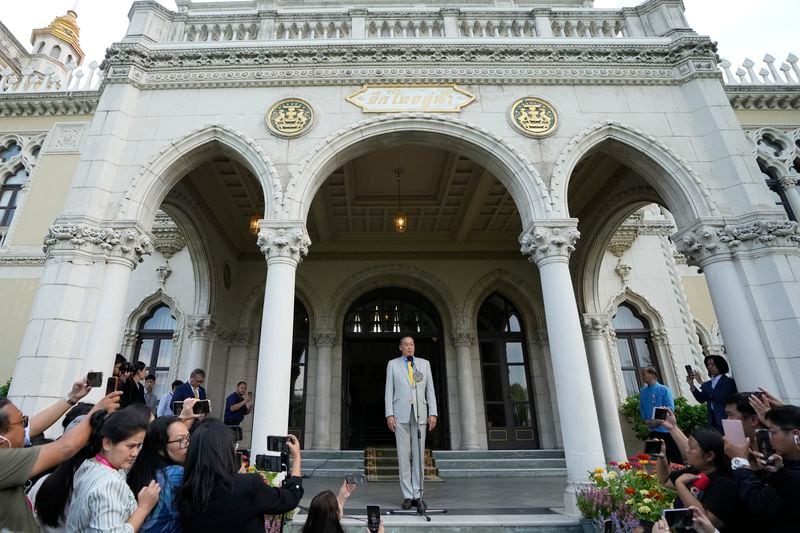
point(408, 447)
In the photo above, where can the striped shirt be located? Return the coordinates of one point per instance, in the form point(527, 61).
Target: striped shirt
point(101, 500)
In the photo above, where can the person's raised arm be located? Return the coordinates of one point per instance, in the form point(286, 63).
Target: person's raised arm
point(662, 467)
point(50, 415)
point(671, 424)
point(188, 415)
point(294, 449)
point(55, 453)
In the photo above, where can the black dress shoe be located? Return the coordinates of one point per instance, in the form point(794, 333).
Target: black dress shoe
point(406, 504)
point(415, 503)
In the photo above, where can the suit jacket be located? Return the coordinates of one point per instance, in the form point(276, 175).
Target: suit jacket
point(185, 391)
point(400, 394)
point(716, 398)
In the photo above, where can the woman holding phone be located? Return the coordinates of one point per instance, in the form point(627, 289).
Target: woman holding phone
point(326, 511)
point(215, 497)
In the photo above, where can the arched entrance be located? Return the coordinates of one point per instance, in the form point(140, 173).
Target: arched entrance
point(373, 327)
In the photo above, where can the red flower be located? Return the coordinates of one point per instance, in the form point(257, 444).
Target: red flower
point(643, 457)
point(624, 466)
point(630, 491)
point(612, 463)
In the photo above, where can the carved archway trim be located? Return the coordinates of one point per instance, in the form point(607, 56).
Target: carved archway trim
point(174, 159)
point(511, 286)
point(494, 153)
point(671, 176)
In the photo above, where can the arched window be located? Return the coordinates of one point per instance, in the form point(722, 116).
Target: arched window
point(9, 195)
point(40, 49)
point(507, 390)
point(10, 152)
point(633, 346)
point(154, 344)
point(297, 401)
point(55, 52)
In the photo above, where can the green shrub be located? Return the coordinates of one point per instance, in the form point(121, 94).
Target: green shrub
point(4, 388)
point(689, 416)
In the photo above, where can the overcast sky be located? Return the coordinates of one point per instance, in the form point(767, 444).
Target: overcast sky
point(743, 28)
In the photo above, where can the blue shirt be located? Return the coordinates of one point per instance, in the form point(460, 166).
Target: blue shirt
point(652, 396)
point(234, 418)
point(165, 518)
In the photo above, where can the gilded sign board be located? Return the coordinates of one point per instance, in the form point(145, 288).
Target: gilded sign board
point(533, 117)
point(411, 98)
point(291, 117)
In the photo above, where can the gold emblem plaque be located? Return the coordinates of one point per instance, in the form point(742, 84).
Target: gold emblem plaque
point(533, 117)
point(291, 117)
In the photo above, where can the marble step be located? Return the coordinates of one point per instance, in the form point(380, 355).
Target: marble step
point(499, 463)
point(445, 473)
point(505, 454)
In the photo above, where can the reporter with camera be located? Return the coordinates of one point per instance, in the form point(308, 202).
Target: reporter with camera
point(714, 392)
point(770, 486)
point(214, 497)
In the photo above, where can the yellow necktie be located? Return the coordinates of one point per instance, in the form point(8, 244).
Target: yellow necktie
point(196, 393)
point(410, 373)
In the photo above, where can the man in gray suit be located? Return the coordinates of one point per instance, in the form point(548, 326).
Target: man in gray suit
point(410, 405)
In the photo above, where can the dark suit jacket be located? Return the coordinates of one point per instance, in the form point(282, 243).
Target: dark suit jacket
point(185, 391)
point(716, 398)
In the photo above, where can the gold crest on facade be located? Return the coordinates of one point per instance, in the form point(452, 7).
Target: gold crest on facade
point(533, 117)
point(291, 117)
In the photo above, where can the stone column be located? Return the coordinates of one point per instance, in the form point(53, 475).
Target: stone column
point(325, 341)
point(595, 331)
point(463, 341)
point(201, 343)
point(549, 244)
point(710, 247)
point(284, 244)
point(77, 316)
point(789, 186)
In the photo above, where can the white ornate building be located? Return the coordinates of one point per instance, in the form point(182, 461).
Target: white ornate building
point(224, 195)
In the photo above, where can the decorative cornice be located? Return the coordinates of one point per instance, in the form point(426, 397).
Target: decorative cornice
point(759, 97)
point(128, 243)
point(38, 104)
point(472, 62)
point(21, 260)
point(787, 182)
point(283, 239)
point(203, 326)
point(550, 239)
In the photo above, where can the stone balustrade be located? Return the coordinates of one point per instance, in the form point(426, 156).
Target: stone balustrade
point(87, 78)
point(255, 21)
point(788, 73)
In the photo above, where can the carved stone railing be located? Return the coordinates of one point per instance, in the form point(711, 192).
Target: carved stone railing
point(277, 21)
point(768, 75)
point(86, 78)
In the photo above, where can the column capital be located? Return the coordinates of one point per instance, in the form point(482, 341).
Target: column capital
point(120, 243)
point(787, 182)
point(201, 326)
point(463, 338)
point(659, 337)
point(283, 239)
point(595, 326)
point(325, 338)
point(548, 240)
point(710, 241)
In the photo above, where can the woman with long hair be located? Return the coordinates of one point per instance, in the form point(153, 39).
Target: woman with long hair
point(161, 459)
point(101, 500)
point(215, 497)
point(326, 511)
point(707, 482)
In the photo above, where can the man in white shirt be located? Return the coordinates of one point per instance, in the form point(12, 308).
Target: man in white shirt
point(165, 405)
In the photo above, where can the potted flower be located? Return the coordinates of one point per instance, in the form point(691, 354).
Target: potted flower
point(624, 496)
point(273, 523)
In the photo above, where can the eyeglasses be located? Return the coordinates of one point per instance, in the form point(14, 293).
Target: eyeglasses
point(183, 442)
point(23, 421)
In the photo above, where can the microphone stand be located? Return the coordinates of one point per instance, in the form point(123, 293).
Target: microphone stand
point(422, 508)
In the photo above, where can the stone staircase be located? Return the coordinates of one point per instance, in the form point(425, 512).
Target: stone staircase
point(332, 463)
point(500, 463)
point(380, 464)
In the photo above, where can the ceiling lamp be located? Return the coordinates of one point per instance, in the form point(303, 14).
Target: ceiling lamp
point(254, 225)
point(400, 219)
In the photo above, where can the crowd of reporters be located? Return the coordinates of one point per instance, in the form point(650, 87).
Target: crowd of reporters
point(742, 472)
point(118, 468)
